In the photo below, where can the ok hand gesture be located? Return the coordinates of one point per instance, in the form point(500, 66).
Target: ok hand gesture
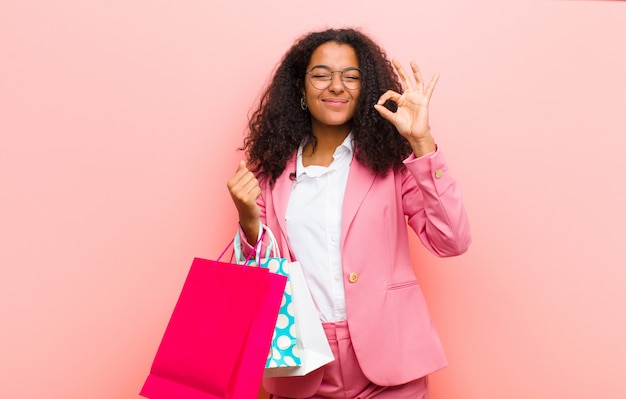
point(411, 117)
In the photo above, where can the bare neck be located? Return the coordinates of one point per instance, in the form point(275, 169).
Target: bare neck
point(328, 140)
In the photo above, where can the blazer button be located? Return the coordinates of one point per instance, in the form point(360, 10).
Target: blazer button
point(438, 173)
point(353, 277)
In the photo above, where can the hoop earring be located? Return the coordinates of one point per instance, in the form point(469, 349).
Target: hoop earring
point(303, 104)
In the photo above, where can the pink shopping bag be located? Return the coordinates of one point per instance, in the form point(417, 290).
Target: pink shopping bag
point(216, 342)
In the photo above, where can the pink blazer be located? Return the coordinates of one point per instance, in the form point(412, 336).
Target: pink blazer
point(393, 335)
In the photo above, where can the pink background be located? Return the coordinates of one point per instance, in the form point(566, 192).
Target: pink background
point(119, 125)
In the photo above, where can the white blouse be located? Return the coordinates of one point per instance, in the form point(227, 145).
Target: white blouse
point(313, 222)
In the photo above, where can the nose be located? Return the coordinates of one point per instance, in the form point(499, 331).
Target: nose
point(336, 84)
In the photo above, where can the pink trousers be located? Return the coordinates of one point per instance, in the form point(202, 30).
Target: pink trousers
point(343, 378)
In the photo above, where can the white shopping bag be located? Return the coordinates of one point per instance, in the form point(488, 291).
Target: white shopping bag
point(312, 343)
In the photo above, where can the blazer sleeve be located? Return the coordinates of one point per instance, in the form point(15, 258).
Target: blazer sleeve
point(432, 202)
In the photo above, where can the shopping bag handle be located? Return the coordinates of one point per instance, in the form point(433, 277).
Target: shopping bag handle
point(272, 248)
point(254, 250)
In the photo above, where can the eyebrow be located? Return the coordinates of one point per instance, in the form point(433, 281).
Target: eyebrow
point(326, 66)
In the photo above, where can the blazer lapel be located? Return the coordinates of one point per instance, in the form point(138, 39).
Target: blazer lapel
point(360, 180)
point(280, 194)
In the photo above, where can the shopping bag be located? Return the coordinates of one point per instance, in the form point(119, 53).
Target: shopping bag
point(312, 343)
point(283, 349)
point(216, 342)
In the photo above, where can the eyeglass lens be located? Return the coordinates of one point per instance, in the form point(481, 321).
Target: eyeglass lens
point(321, 77)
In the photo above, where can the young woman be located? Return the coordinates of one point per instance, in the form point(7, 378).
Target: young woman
point(340, 157)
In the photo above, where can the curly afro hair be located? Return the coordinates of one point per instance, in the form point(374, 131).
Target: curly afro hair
point(279, 126)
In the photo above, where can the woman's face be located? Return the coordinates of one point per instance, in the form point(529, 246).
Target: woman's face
point(334, 105)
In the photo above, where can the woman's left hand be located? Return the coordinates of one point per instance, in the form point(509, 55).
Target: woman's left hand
point(411, 117)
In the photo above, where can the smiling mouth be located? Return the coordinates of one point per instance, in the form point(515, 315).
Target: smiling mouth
point(335, 101)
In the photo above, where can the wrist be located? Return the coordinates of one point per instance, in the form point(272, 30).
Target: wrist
point(423, 147)
point(250, 227)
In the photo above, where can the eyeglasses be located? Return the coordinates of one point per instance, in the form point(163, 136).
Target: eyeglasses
point(322, 76)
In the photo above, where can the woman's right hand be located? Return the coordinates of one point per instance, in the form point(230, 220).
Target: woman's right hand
point(245, 190)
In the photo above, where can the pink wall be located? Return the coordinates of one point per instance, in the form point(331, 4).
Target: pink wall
point(119, 123)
